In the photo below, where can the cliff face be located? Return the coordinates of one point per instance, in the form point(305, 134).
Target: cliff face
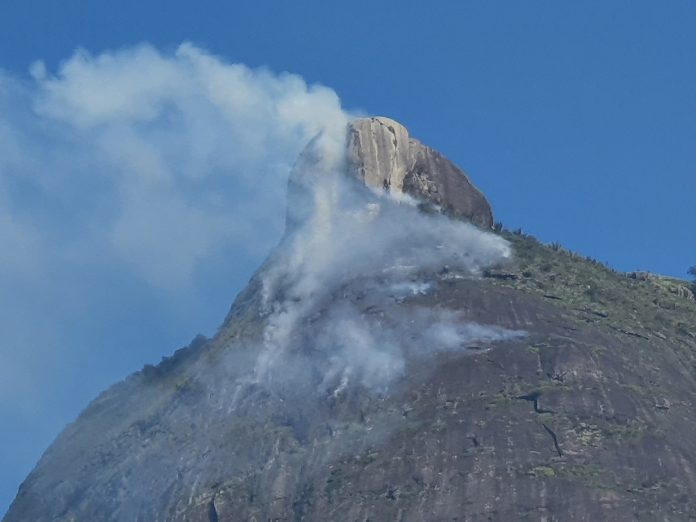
point(386, 364)
point(383, 156)
point(380, 154)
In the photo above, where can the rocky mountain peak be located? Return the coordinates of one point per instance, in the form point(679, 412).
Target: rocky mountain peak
point(383, 155)
point(379, 152)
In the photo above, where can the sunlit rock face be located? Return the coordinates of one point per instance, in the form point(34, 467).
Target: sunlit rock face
point(384, 157)
point(379, 153)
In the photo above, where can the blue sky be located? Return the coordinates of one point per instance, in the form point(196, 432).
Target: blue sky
point(577, 120)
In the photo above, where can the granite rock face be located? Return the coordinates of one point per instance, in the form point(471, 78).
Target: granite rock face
point(384, 157)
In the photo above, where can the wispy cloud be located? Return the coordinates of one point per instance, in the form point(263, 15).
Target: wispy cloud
point(137, 189)
point(156, 160)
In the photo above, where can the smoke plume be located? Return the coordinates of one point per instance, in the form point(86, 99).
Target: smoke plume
point(138, 191)
point(342, 236)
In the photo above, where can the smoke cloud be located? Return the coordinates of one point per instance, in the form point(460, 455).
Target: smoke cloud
point(342, 236)
point(138, 191)
point(156, 160)
point(156, 175)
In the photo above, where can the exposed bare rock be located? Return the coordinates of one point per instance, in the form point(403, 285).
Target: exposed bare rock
point(383, 156)
point(379, 152)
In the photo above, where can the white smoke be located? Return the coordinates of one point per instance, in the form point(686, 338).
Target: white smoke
point(343, 233)
point(156, 160)
point(138, 191)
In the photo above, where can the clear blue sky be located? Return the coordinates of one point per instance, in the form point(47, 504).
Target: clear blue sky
point(576, 119)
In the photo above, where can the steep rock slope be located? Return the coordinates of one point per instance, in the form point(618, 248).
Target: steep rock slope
point(422, 375)
point(383, 155)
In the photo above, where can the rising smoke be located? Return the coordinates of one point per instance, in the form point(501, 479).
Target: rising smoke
point(138, 191)
point(345, 270)
point(133, 178)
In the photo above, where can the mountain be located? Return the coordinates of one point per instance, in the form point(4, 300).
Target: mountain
point(399, 357)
